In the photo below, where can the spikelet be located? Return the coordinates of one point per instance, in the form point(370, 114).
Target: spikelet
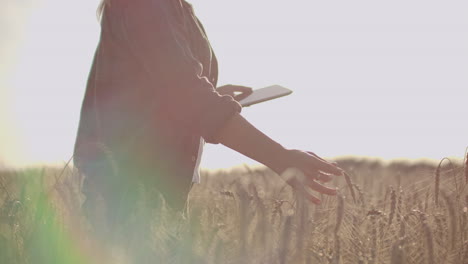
point(393, 200)
point(399, 209)
point(437, 178)
point(402, 231)
point(437, 183)
point(382, 225)
point(426, 200)
point(361, 194)
point(339, 213)
point(373, 249)
point(387, 192)
point(350, 186)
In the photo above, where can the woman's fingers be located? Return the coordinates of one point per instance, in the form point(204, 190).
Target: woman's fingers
point(329, 168)
point(319, 176)
point(306, 173)
point(320, 158)
point(312, 198)
point(323, 177)
point(321, 188)
point(241, 96)
point(233, 89)
point(315, 155)
point(299, 187)
point(326, 166)
point(245, 91)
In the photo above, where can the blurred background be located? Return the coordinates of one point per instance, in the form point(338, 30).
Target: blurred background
point(370, 78)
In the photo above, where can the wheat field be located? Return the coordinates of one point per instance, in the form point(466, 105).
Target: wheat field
point(386, 212)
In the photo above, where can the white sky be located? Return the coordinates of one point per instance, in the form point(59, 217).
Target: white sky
point(373, 78)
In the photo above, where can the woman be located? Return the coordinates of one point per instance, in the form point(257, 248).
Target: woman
point(149, 106)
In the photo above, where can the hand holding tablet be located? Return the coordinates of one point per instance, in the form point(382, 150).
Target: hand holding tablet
point(265, 94)
point(247, 97)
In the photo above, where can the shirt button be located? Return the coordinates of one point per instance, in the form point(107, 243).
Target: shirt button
point(194, 158)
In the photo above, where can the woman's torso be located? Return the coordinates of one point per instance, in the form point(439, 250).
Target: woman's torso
point(120, 118)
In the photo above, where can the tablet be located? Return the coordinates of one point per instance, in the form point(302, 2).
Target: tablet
point(265, 94)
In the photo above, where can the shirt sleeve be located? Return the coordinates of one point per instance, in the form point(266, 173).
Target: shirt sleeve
point(190, 99)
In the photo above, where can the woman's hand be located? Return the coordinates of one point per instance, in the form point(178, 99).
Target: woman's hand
point(305, 170)
point(233, 89)
point(302, 170)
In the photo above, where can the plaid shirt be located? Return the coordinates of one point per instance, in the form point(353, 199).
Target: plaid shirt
point(151, 93)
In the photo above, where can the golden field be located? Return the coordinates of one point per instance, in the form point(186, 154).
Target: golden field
point(397, 212)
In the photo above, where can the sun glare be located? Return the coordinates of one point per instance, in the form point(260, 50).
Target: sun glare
point(49, 78)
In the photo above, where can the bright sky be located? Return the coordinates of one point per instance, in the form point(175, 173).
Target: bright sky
point(373, 78)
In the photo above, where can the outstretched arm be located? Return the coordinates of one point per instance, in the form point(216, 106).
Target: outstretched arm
point(241, 136)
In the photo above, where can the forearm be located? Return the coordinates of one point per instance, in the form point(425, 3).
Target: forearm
point(241, 136)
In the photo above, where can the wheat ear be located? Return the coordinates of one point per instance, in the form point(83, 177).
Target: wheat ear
point(393, 200)
point(350, 186)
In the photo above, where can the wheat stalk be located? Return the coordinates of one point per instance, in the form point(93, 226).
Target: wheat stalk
point(429, 240)
point(437, 178)
point(440, 231)
point(285, 237)
point(399, 205)
point(437, 183)
point(452, 218)
point(393, 200)
point(398, 256)
point(339, 213)
point(465, 253)
point(337, 251)
point(373, 248)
